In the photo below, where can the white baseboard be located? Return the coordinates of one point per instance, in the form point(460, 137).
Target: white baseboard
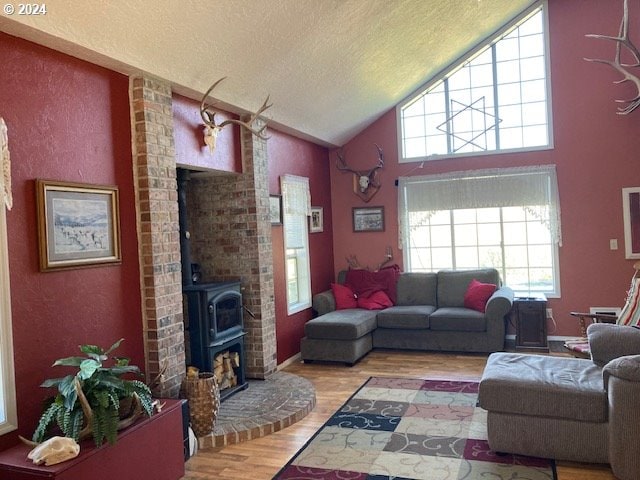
point(295, 359)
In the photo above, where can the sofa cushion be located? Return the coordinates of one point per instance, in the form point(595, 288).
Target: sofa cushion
point(453, 284)
point(376, 301)
point(344, 296)
point(417, 289)
point(406, 316)
point(365, 282)
point(543, 386)
point(342, 324)
point(477, 295)
point(458, 319)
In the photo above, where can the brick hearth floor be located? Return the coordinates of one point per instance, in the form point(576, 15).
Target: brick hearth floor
point(265, 407)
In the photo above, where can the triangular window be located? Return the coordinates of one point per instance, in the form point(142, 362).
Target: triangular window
point(496, 99)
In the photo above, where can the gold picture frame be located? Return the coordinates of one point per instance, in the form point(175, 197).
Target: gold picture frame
point(78, 225)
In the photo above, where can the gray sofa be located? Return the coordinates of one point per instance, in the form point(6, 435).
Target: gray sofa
point(429, 315)
point(568, 408)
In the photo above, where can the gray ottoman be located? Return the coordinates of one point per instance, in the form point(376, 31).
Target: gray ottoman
point(339, 336)
point(550, 407)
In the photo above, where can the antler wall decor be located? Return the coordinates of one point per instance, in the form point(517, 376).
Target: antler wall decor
point(212, 128)
point(622, 40)
point(354, 263)
point(365, 182)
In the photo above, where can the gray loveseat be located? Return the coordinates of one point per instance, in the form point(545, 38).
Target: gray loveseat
point(569, 408)
point(429, 314)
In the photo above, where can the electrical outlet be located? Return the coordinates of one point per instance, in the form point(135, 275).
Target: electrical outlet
point(549, 313)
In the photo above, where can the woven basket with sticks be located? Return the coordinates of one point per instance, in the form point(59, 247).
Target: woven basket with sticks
point(204, 401)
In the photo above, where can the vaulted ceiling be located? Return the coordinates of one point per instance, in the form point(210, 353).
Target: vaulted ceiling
point(332, 67)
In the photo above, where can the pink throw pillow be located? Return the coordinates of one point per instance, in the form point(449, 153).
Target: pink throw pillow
point(376, 301)
point(345, 298)
point(478, 294)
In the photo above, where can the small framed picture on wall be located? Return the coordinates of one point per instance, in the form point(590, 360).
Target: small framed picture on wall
point(316, 221)
point(275, 209)
point(368, 219)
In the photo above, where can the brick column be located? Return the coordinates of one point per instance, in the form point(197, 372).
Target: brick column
point(158, 231)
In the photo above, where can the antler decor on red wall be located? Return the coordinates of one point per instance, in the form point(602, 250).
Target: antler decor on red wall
point(354, 263)
point(622, 40)
point(212, 128)
point(365, 182)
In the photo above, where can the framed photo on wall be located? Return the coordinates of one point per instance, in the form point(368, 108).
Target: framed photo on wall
point(631, 213)
point(368, 219)
point(78, 225)
point(275, 209)
point(316, 221)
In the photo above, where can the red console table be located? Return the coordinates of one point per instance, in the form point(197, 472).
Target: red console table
point(151, 448)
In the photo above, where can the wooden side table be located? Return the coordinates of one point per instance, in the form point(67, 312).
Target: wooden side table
point(530, 315)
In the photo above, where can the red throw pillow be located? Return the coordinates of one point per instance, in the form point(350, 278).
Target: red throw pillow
point(376, 301)
point(478, 294)
point(345, 298)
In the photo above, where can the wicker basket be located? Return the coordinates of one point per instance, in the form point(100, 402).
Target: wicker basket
point(204, 401)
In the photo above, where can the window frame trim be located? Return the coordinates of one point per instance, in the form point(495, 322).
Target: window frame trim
point(454, 66)
point(305, 258)
point(7, 382)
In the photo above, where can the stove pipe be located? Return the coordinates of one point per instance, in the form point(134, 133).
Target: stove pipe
point(183, 178)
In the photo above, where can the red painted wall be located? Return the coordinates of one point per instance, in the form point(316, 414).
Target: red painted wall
point(67, 120)
point(595, 156)
point(290, 155)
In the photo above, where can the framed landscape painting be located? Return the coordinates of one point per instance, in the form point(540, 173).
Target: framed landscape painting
point(78, 225)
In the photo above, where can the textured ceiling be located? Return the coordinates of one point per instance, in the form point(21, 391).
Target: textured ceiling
point(331, 66)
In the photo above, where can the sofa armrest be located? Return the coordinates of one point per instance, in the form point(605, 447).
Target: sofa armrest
point(625, 368)
point(607, 342)
point(323, 302)
point(499, 304)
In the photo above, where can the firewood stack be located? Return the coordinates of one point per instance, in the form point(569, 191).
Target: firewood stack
point(223, 365)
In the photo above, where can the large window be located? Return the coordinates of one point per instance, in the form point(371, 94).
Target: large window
point(503, 218)
point(497, 100)
point(296, 206)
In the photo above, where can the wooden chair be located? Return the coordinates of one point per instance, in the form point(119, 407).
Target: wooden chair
point(629, 315)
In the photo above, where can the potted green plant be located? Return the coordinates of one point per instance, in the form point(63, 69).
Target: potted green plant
point(96, 401)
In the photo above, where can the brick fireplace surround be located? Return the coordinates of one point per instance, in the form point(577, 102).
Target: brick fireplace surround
point(230, 232)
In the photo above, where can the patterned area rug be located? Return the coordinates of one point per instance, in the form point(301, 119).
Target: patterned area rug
point(394, 428)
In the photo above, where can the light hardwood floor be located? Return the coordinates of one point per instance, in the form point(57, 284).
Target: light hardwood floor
point(263, 457)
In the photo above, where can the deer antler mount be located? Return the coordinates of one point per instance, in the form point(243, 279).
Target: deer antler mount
point(212, 129)
point(622, 40)
point(365, 182)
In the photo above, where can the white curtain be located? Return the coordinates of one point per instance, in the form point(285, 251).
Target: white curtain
point(296, 197)
point(534, 188)
point(5, 163)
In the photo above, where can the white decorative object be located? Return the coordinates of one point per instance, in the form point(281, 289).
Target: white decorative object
point(55, 450)
point(5, 178)
point(622, 40)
